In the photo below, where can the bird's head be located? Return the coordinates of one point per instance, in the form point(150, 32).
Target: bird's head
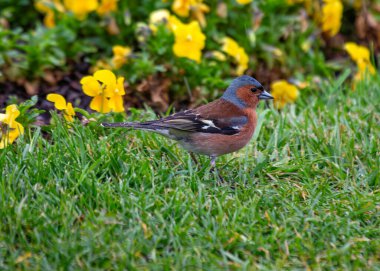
point(246, 91)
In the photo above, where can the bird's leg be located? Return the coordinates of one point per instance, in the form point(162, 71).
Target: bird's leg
point(194, 158)
point(213, 169)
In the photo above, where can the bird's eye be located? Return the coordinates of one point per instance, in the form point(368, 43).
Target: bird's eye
point(253, 89)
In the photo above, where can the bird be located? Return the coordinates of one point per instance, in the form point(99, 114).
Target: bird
point(222, 126)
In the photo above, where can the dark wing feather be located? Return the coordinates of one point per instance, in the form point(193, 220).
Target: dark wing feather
point(190, 121)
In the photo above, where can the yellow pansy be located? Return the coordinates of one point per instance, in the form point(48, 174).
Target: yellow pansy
point(189, 40)
point(232, 48)
point(357, 52)
point(361, 56)
point(160, 16)
point(107, 6)
point(106, 91)
point(283, 93)
point(116, 101)
point(61, 104)
point(49, 20)
point(120, 54)
point(331, 17)
point(181, 7)
point(243, 2)
point(218, 55)
point(10, 129)
point(196, 7)
point(364, 68)
point(101, 64)
point(48, 7)
point(174, 23)
point(81, 8)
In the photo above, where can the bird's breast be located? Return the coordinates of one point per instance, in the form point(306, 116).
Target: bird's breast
point(219, 144)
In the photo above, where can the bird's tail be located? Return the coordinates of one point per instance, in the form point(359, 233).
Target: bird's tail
point(135, 125)
point(151, 127)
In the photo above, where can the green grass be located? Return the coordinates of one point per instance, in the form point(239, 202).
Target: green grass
point(307, 195)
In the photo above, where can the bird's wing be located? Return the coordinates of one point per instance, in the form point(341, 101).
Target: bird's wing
point(193, 121)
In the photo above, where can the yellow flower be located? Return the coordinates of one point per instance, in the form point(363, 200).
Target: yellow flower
point(218, 55)
point(107, 6)
point(233, 49)
point(361, 56)
point(48, 7)
point(49, 20)
point(116, 101)
point(331, 16)
point(60, 103)
point(158, 17)
point(10, 129)
point(174, 23)
point(364, 68)
point(106, 91)
point(283, 93)
point(101, 64)
point(81, 8)
point(356, 52)
point(120, 54)
point(181, 7)
point(197, 8)
point(189, 40)
point(244, 2)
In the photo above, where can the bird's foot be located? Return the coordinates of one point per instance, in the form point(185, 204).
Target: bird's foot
point(220, 181)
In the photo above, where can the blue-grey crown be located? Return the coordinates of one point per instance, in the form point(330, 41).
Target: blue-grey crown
point(230, 93)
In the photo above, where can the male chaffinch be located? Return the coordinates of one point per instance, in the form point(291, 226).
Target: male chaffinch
point(220, 127)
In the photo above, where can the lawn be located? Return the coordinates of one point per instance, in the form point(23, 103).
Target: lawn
point(305, 194)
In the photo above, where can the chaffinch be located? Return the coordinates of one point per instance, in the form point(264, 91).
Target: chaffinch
point(220, 127)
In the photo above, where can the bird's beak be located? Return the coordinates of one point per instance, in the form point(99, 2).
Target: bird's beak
point(265, 95)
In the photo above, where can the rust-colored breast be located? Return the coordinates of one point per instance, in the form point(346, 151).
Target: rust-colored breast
point(218, 144)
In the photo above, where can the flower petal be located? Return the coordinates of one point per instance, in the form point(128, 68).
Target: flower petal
point(11, 134)
point(118, 61)
point(357, 52)
point(69, 113)
point(91, 86)
point(100, 104)
point(116, 103)
point(108, 78)
point(70, 110)
point(58, 100)
point(121, 51)
point(120, 86)
point(12, 113)
point(283, 93)
point(16, 131)
point(105, 76)
point(68, 118)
